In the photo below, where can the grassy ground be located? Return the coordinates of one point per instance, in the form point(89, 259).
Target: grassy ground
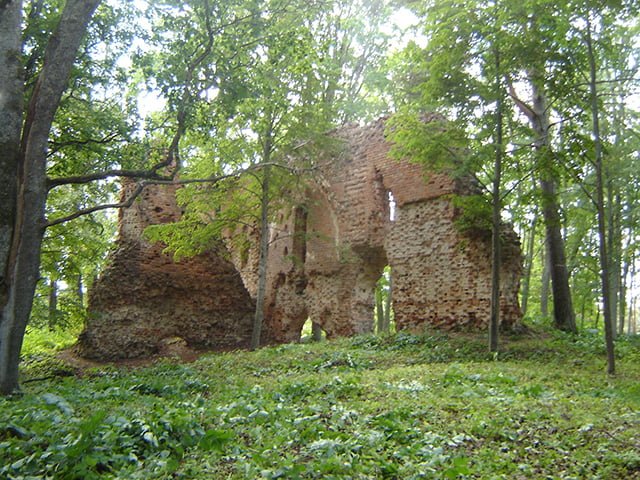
point(401, 406)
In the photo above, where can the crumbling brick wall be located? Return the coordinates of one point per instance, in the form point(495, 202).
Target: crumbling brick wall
point(144, 298)
point(327, 251)
point(441, 276)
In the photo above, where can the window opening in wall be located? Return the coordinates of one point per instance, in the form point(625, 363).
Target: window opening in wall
point(383, 306)
point(392, 206)
point(311, 332)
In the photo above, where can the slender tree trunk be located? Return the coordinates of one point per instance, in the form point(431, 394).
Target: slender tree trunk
point(545, 281)
point(80, 290)
point(613, 245)
point(633, 325)
point(528, 261)
point(582, 311)
point(53, 303)
point(622, 293)
point(22, 263)
point(496, 209)
point(258, 319)
point(600, 205)
point(563, 314)
point(379, 309)
point(629, 261)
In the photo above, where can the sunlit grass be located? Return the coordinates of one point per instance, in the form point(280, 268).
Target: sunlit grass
point(44, 340)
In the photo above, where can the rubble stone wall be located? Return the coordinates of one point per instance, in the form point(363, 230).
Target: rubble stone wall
point(327, 251)
point(144, 298)
point(441, 276)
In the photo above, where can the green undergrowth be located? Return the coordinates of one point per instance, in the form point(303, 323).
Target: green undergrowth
point(396, 407)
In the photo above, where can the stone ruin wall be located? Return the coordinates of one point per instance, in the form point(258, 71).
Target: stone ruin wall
point(441, 277)
point(326, 254)
point(144, 300)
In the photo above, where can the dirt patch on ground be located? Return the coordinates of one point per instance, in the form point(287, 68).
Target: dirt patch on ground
point(176, 351)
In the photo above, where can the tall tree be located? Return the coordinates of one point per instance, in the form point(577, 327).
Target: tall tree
point(469, 137)
point(600, 205)
point(49, 46)
point(25, 165)
point(292, 81)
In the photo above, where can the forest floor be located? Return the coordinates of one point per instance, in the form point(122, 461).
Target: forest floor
point(400, 406)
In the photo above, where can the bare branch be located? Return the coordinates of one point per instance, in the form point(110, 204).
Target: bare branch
point(159, 181)
point(152, 173)
point(524, 108)
point(86, 211)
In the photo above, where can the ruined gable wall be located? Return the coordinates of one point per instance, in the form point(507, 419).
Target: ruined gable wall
point(441, 276)
point(327, 250)
point(144, 297)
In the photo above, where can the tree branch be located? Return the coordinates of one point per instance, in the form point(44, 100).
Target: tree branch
point(86, 211)
point(524, 108)
point(57, 146)
point(157, 181)
point(151, 174)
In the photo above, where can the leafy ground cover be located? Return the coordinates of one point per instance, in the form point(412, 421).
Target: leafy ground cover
point(402, 406)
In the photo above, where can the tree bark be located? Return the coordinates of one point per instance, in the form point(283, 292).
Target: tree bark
point(23, 262)
point(545, 281)
point(11, 108)
point(613, 245)
point(379, 309)
point(258, 319)
point(528, 261)
point(605, 261)
point(80, 290)
point(53, 303)
point(495, 223)
point(563, 314)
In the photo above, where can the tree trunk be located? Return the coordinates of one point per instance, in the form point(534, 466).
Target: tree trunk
point(563, 314)
point(379, 308)
point(53, 303)
point(23, 263)
point(528, 261)
point(629, 261)
point(545, 281)
point(11, 110)
point(80, 290)
point(600, 205)
point(258, 319)
point(496, 209)
point(614, 247)
point(632, 317)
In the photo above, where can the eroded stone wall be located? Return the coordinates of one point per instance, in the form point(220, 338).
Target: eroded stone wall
point(144, 299)
point(327, 251)
point(441, 277)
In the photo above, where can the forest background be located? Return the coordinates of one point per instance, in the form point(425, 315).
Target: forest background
point(538, 100)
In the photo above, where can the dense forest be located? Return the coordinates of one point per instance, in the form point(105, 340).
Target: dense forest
point(537, 100)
